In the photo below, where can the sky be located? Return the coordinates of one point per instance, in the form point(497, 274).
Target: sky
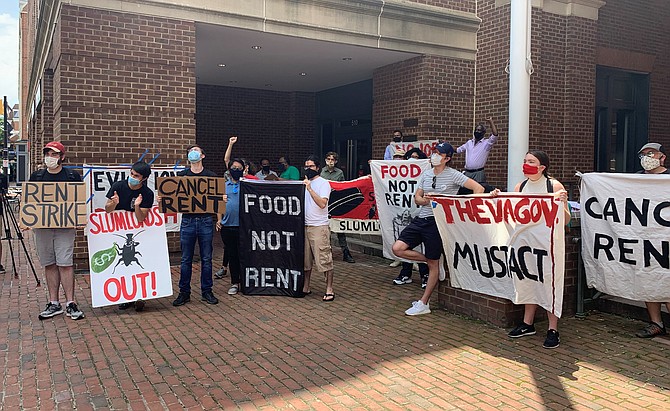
point(9, 51)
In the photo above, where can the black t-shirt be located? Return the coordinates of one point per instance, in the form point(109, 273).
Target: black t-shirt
point(203, 173)
point(63, 175)
point(127, 195)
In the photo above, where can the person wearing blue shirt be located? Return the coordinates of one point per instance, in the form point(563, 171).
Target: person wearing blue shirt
point(229, 225)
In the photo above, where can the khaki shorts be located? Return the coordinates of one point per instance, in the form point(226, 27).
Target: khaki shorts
point(318, 254)
point(54, 246)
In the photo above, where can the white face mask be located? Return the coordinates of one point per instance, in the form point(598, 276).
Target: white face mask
point(435, 159)
point(51, 162)
point(650, 163)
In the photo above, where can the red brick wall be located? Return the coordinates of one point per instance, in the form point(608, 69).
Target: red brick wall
point(267, 124)
point(123, 83)
point(436, 91)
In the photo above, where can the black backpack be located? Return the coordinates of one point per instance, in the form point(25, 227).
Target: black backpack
point(550, 185)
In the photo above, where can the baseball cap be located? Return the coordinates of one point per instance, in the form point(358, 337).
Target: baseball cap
point(653, 146)
point(445, 148)
point(399, 152)
point(55, 146)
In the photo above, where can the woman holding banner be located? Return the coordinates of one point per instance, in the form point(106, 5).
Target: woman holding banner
point(538, 181)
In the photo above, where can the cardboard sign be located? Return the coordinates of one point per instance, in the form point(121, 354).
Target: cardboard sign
point(191, 194)
point(53, 205)
point(99, 179)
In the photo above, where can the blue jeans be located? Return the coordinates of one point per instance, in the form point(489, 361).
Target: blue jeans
point(192, 229)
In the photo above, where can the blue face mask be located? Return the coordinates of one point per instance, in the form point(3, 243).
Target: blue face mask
point(194, 156)
point(133, 181)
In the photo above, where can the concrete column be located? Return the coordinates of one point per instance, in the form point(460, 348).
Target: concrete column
point(519, 89)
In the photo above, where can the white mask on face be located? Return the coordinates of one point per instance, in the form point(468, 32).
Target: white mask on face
point(650, 163)
point(435, 159)
point(51, 162)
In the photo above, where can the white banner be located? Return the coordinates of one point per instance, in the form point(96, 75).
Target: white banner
point(395, 182)
point(128, 260)
point(99, 180)
point(511, 246)
point(625, 220)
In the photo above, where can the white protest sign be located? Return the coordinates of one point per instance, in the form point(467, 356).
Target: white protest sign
point(395, 182)
point(625, 221)
point(128, 260)
point(511, 246)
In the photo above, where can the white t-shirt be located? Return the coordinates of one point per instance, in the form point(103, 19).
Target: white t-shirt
point(315, 215)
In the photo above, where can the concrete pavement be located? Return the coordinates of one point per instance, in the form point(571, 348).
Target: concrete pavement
point(359, 352)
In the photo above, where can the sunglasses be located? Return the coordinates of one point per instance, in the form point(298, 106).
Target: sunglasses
point(434, 181)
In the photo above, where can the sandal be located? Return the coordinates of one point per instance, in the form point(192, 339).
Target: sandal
point(328, 297)
point(651, 331)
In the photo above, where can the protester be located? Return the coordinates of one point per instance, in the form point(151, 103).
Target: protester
point(288, 172)
point(652, 158)
point(441, 179)
point(390, 149)
point(538, 181)
point(332, 173)
point(55, 246)
point(405, 275)
point(229, 223)
point(196, 227)
point(477, 150)
point(318, 253)
point(132, 194)
point(265, 170)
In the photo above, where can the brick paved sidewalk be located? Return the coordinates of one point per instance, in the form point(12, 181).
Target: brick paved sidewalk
point(276, 353)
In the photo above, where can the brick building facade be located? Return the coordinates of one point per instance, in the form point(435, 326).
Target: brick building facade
point(114, 83)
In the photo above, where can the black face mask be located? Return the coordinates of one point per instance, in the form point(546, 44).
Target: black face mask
point(266, 169)
point(397, 139)
point(236, 174)
point(310, 174)
point(478, 135)
point(282, 166)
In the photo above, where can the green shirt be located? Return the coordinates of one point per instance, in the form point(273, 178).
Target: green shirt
point(335, 175)
point(291, 173)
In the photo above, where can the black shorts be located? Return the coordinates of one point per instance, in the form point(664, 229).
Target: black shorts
point(423, 230)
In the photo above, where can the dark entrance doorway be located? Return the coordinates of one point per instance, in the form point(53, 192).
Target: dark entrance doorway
point(345, 122)
point(622, 116)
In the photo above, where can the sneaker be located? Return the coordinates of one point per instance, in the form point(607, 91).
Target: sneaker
point(124, 306)
point(50, 311)
point(139, 305)
point(522, 330)
point(418, 308)
point(651, 331)
point(74, 312)
point(234, 289)
point(2, 268)
point(209, 297)
point(182, 299)
point(424, 282)
point(221, 273)
point(552, 340)
point(402, 279)
point(394, 263)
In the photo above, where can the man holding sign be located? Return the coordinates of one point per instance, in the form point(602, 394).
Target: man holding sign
point(132, 195)
point(196, 227)
point(440, 179)
point(55, 246)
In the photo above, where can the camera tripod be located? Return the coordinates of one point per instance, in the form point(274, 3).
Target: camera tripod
point(10, 222)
